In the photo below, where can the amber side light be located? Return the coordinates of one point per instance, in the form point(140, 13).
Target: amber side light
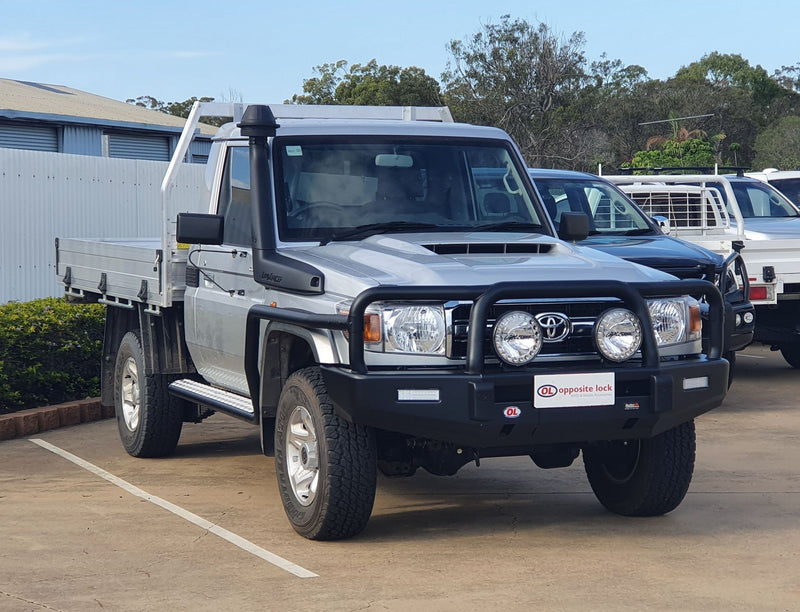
point(695, 321)
point(372, 327)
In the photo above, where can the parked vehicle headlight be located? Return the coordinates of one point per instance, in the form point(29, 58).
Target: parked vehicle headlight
point(414, 329)
point(402, 328)
point(675, 320)
point(618, 334)
point(517, 337)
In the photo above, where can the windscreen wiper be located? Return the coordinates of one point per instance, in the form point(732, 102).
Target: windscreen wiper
point(364, 231)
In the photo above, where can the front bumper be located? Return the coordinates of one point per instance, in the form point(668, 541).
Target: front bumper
point(472, 409)
point(738, 337)
point(481, 405)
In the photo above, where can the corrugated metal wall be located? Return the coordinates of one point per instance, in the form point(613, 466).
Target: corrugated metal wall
point(138, 146)
point(82, 140)
point(45, 195)
point(28, 136)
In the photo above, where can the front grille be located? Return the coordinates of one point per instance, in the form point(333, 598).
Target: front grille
point(579, 343)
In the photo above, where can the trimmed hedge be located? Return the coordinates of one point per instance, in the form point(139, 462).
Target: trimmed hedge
point(50, 352)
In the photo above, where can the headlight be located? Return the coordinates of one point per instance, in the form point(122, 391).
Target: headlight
point(517, 337)
point(402, 328)
point(618, 334)
point(414, 329)
point(675, 320)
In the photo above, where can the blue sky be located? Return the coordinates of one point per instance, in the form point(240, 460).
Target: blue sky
point(262, 51)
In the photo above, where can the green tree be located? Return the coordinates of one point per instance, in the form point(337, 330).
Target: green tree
point(369, 84)
point(614, 101)
point(732, 70)
point(676, 153)
point(779, 145)
point(520, 77)
point(178, 109)
point(788, 77)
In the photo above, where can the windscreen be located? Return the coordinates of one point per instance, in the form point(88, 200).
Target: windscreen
point(327, 187)
point(609, 210)
point(758, 199)
point(789, 187)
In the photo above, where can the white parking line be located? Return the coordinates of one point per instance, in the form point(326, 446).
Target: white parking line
point(750, 356)
point(231, 537)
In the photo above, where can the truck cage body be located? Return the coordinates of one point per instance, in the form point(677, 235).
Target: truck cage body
point(694, 204)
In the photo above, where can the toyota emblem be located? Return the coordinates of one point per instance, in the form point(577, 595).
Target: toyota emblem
point(555, 326)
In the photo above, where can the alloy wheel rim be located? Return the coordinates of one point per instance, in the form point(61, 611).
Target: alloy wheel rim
point(302, 456)
point(131, 407)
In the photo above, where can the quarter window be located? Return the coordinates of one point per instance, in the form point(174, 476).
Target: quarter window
point(234, 198)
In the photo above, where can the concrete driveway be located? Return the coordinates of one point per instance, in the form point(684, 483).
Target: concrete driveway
point(83, 526)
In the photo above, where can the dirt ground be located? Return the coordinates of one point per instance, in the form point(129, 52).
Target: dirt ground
point(507, 535)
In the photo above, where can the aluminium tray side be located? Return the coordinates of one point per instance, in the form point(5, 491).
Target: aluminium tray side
point(128, 269)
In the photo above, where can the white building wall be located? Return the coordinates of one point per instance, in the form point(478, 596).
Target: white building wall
point(46, 195)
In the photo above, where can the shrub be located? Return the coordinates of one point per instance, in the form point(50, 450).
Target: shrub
point(50, 352)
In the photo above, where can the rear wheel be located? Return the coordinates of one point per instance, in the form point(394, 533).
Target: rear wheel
point(326, 466)
point(149, 419)
point(791, 353)
point(642, 477)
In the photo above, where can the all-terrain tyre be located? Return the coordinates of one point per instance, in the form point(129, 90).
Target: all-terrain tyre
point(646, 477)
point(791, 353)
point(149, 419)
point(325, 465)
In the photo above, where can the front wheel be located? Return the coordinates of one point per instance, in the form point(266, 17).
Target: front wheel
point(646, 477)
point(325, 465)
point(149, 419)
point(791, 353)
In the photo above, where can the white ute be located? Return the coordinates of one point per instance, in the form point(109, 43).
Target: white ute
point(723, 212)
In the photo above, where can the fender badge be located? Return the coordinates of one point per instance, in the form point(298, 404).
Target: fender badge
point(512, 412)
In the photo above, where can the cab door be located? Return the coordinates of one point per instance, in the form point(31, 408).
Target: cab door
point(216, 310)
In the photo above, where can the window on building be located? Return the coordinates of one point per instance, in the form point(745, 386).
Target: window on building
point(29, 136)
point(136, 146)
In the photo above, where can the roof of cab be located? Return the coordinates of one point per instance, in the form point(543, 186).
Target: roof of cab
point(371, 127)
point(544, 173)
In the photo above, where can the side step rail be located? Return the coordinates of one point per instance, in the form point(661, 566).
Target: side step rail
point(218, 399)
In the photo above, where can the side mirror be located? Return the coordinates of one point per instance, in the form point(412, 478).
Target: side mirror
point(198, 228)
point(663, 223)
point(574, 226)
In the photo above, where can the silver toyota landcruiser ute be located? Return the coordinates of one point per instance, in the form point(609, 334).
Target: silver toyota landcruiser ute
point(357, 289)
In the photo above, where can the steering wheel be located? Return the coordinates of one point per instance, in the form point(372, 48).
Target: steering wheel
point(620, 208)
point(315, 208)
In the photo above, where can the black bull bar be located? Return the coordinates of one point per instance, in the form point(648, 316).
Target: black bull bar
point(632, 295)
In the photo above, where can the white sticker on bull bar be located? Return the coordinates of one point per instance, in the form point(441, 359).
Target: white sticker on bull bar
point(565, 390)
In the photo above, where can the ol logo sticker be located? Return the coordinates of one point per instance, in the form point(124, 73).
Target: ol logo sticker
point(512, 412)
point(547, 391)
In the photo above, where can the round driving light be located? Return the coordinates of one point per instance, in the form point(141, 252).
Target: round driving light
point(669, 320)
point(517, 337)
point(618, 334)
point(748, 317)
point(738, 320)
